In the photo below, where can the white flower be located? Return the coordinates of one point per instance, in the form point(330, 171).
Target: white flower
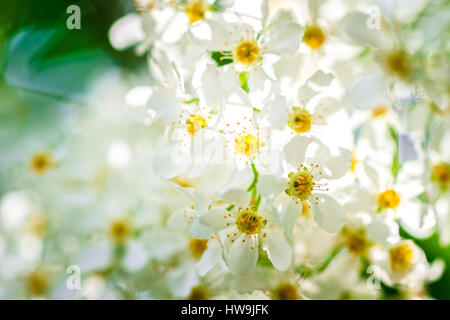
point(244, 230)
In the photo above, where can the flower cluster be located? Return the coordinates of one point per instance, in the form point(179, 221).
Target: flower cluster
point(278, 150)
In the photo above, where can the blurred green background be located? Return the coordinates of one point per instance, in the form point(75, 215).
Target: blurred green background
point(46, 68)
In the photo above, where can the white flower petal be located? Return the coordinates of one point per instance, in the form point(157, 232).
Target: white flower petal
point(278, 249)
point(215, 219)
point(165, 103)
point(328, 213)
point(241, 257)
point(278, 113)
point(170, 161)
point(284, 38)
point(367, 91)
point(295, 150)
point(126, 32)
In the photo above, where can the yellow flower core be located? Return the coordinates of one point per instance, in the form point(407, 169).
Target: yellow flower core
point(301, 184)
point(300, 120)
point(441, 175)
point(41, 163)
point(198, 293)
point(37, 282)
point(194, 123)
point(401, 258)
point(397, 64)
point(195, 11)
point(285, 291)
point(37, 225)
point(314, 37)
point(249, 222)
point(388, 199)
point(247, 52)
point(197, 247)
point(120, 230)
point(247, 144)
point(379, 111)
point(356, 241)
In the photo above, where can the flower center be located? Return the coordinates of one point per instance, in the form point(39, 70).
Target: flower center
point(247, 52)
point(285, 291)
point(41, 163)
point(120, 230)
point(401, 258)
point(397, 63)
point(301, 184)
point(441, 175)
point(37, 282)
point(388, 199)
point(379, 111)
point(37, 225)
point(194, 123)
point(249, 222)
point(300, 120)
point(195, 11)
point(247, 144)
point(356, 241)
point(197, 247)
point(314, 37)
point(198, 293)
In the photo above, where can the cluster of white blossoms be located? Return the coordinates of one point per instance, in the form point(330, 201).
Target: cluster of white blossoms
point(283, 150)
